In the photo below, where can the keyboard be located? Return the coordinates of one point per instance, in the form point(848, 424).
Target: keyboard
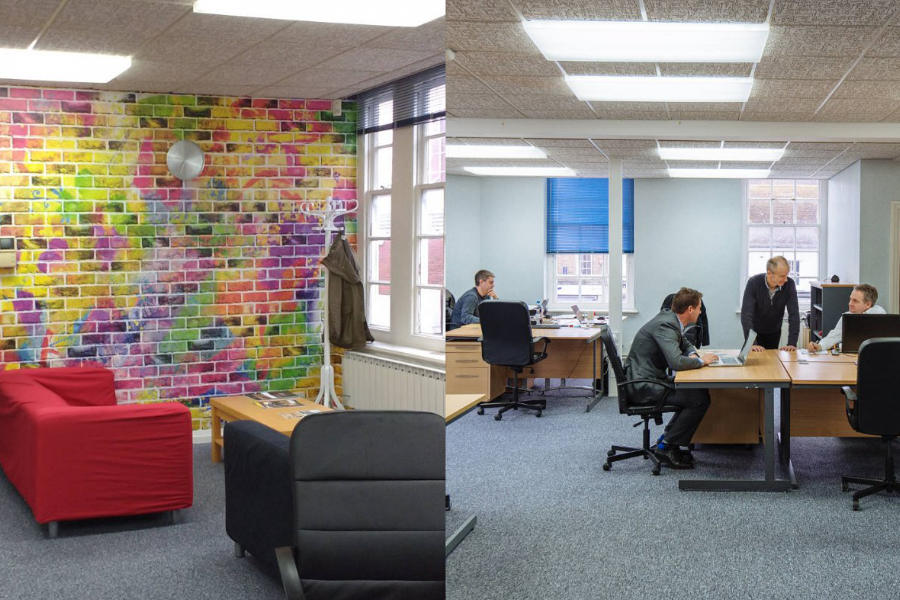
point(546, 326)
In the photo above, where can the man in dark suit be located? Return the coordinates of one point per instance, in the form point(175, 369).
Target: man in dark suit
point(660, 347)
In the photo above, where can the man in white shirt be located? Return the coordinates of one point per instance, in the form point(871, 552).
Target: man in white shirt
point(862, 300)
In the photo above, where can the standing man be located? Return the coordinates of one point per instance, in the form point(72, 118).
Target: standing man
point(465, 310)
point(659, 345)
point(862, 300)
point(765, 298)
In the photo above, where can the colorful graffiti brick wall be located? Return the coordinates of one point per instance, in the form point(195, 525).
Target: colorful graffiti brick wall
point(185, 290)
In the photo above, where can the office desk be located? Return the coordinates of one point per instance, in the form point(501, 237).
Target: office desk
point(574, 353)
point(765, 372)
point(817, 404)
point(786, 357)
point(455, 406)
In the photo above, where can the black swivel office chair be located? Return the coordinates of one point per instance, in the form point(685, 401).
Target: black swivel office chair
point(873, 408)
point(449, 303)
point(506, 341)
point(368, 500)
point(633, 403)
point(697, 333)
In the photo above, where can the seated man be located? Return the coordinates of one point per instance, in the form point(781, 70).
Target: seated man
point(862, 300)
point(466, 309)
point(659, 345)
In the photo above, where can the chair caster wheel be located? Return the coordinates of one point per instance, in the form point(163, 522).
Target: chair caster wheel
point(497, 417)
point(480, 411)
point(538, 414)
point(655, 471)
point(606, 466)
point(856, 505)
point(844, 487)
point(611, 453)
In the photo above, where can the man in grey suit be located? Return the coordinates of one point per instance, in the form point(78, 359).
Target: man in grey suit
point(659, 346)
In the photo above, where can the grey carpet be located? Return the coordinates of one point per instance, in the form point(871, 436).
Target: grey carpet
point(134, 557)
point(553, 525)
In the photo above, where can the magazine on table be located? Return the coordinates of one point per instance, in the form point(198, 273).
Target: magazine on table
point(299, 414)
point(275, 399)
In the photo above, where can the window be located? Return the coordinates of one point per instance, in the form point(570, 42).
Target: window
point(403, 132)
point(784, 217)
point(429, 283)
point(578, 243)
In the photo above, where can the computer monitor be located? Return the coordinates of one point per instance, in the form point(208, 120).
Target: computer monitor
point(859, 328)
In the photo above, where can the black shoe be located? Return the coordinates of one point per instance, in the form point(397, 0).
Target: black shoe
point(683, 453)
point(672, 458)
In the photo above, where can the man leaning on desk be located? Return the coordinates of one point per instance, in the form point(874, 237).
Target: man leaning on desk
point(660, 345)
point(766, 296)
point(862, 300)
point(465, 310)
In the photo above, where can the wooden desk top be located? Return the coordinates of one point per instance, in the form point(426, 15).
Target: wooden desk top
point(587, 334)
point(761, 367)
point(456, 405)
point(786, 357)
point(821, 373)
point(242, 407)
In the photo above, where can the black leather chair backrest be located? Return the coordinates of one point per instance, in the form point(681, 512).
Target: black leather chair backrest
point(615, 363)
point(877, 409)
point(698, 333)
point(449, 303)
point(506, 333)
point(369, 504)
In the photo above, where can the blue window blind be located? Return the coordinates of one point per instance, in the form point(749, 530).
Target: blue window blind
point(578, 215)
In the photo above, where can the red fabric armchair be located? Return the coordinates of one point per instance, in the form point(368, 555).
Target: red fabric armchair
point(73, 453)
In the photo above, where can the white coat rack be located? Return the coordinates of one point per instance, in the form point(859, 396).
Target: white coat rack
point(327, 212)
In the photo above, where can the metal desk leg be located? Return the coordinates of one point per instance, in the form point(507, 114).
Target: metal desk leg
point(594, 398)
point(784, 436)
point(769, 484)
point(459, 535)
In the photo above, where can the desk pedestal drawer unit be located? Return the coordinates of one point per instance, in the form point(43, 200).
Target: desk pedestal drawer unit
point(468, 374)
point(820, 413)
point(734, 417)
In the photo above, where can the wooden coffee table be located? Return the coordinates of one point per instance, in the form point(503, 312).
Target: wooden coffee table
point(236, 408)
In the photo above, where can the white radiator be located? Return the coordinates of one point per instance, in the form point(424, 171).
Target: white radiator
point(381, 383)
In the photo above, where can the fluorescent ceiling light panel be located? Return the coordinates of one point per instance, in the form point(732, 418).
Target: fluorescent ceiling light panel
point(521, 171)
point(642, 41)
point(495, 151)
point(733, 154)
point(43, 65)
point(615, 88)
point(390, 13)
point(720, 173)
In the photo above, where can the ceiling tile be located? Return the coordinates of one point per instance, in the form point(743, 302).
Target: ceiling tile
point(817, 41)
point(475, 101)
point(833, 12)
point(559, 143)
point(718, 115)
point(701, 11)
point(865, 90)
point(783, 116)
point(620, 10)
point(425, 38)
point(876, 69)
point(374, 59)
point(480, 10)
point(584, 113)
point(888, 45)
point(505, 63)
point(489, 37)
point(792, 88)
point(469, 113)
point(599, 68)
point(489, 141)
point(705, 70)
point(803, 67)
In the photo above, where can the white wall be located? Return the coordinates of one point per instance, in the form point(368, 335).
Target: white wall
point(842, 254)
point(688, 233)
point(462, 238)
point(879, 186)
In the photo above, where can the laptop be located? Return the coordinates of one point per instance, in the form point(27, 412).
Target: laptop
point(740, 359)
point(859, 328)
point(579, 316)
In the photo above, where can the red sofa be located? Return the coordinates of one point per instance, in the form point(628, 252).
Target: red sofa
point(73, 453)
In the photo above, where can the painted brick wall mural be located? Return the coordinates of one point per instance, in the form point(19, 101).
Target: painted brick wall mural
point(185, 290)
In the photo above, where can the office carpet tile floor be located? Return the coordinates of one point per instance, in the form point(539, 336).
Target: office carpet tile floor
point(553, 525)
point(133, 558)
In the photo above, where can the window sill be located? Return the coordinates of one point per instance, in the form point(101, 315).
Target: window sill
point(414, 355)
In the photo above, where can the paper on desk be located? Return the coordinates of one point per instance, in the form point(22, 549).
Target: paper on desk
point(805, 352)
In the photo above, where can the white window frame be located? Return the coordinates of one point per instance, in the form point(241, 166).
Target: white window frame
point(405, 199)
point(422, 168)
point(802, 295)
point(550, 285)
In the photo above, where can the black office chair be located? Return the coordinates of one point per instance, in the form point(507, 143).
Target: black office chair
point(873, 408)
point(506, 341)
point(632, 403)
point(449, 303)
point(368, 500)
point(696, 333)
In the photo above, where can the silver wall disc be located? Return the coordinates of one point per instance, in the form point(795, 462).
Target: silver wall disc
point(185, 160)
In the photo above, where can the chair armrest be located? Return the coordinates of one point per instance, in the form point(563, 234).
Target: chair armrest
point(544, 339)
point(664, 384)
point(290, 576)
point(849, 399)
